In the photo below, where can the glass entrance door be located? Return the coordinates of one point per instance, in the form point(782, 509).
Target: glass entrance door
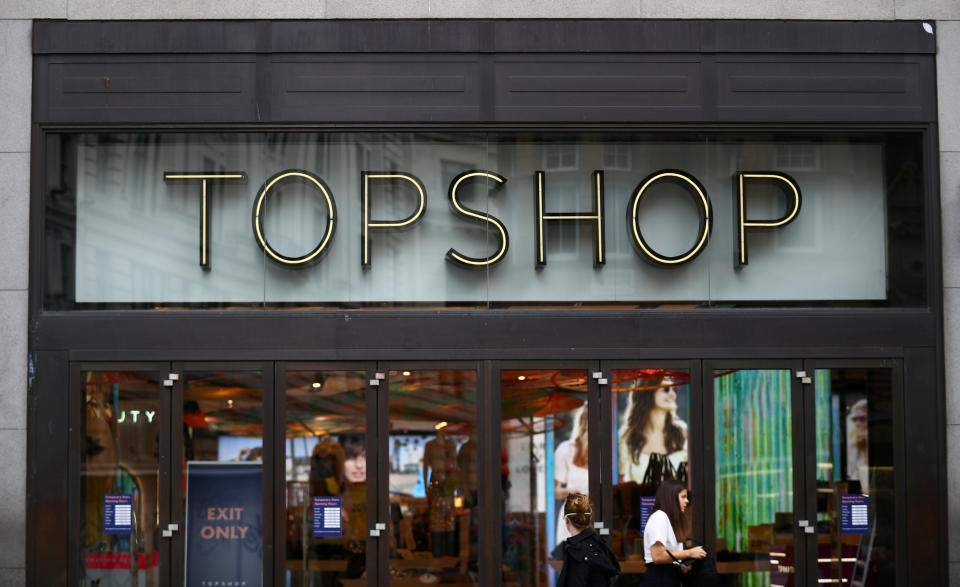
point(430, 457)
point(757, 473)
point(850, 472)
point(329, 465)
point(548, 451)
point(383, 474)
point(222, 489)
point(120, 457)
point(802, 479)
point(403, 474)
point(650, 426)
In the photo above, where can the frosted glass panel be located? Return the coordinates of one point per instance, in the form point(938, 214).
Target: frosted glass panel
point(394, 235)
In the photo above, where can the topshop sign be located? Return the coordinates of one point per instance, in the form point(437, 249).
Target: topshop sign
point(370, 181)
point(317, 219)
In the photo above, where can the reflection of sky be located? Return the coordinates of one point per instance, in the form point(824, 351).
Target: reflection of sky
point(229, 447)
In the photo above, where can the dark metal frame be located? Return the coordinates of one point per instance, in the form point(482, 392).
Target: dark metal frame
point(177, 514)
point(74, 510)
point(799, 446)
point(382, 394)
point(913, 337)
point(373, 420)
point(899, 450)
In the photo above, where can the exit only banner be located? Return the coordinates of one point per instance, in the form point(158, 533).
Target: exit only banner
point(224, 524)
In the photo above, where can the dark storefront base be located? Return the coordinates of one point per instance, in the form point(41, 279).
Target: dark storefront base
point(919, 460)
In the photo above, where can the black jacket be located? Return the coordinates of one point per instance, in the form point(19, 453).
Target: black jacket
point(587, 561)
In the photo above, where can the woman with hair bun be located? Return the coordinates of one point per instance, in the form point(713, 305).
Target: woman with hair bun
point(664, 536)
point(587, 560)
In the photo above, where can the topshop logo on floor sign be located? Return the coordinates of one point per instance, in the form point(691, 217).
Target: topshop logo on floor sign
point(854, 513)
point(326, 516)
point(118, 513)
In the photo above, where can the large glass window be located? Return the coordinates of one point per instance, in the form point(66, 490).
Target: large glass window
point(454, 219)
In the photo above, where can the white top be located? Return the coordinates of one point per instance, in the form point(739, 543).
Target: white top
point(577, 479)
point(659, 530)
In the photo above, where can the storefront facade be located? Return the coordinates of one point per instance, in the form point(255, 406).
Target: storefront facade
point(426, 277)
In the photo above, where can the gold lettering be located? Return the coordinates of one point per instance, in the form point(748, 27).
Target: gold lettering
point(596, 215)
point(704, 206)
point(478, 262)
point(205, 213)
point(260, 204)
point(792, 192)
point(367, 223)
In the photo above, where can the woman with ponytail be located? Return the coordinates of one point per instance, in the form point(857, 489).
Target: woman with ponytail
point(587, 560)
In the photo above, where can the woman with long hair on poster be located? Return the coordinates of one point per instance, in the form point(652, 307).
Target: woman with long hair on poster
point(570, 471)
point(652, 443)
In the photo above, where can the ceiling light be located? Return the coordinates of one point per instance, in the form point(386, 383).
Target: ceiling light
point(522, 378)
point(440, 426)
point(406, 374)
point(317, 385)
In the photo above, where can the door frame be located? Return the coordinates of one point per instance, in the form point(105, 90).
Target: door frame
point(177, 482)
point(709, 366)
point(279, 473)
point(899, 459)
point(702, 431)
point(589, 366)
point(695, 433)
point(75, 509)
point(381, 395)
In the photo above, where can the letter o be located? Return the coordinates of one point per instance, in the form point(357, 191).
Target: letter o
point(260, 204)
point(699, 195)
point(206, 532)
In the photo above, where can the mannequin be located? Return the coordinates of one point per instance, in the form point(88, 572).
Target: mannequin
point(467, 461)
point(440, 475)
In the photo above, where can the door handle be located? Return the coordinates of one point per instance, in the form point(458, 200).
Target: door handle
point(805, 524)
